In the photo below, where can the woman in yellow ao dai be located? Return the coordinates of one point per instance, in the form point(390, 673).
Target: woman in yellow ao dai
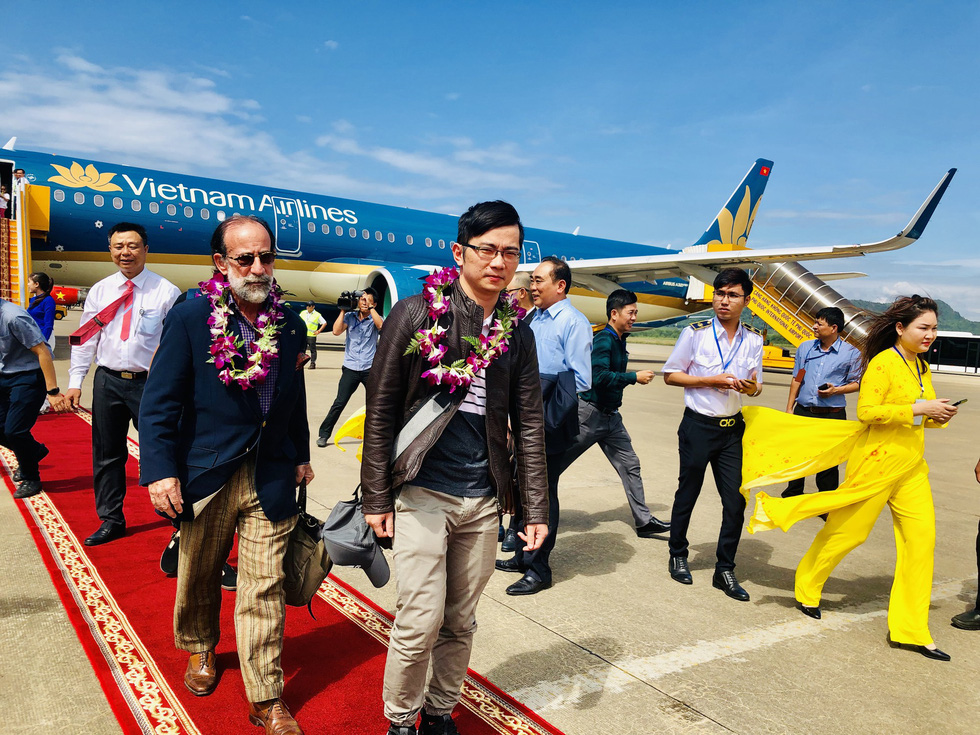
point(885, 465)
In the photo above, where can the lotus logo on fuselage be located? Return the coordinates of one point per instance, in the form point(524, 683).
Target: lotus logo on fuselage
point(83, 178)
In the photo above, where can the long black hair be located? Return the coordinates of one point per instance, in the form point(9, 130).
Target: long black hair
point(904, 310)
point(45, 282)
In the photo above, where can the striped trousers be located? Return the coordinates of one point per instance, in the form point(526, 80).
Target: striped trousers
point(260, 607)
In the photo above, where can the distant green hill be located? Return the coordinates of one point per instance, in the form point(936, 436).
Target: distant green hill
point(950, 320)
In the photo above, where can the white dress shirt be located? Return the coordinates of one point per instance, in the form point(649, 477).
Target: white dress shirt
point(152, 298)
point(697, 353)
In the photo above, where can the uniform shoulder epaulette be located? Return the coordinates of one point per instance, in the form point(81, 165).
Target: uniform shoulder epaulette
point(752, 329)
point(700, 325)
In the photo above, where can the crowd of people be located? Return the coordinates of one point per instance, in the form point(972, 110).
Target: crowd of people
point(481, 392)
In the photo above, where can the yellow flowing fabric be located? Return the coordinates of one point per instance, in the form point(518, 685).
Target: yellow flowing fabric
point(354, 428)
point(885, 465)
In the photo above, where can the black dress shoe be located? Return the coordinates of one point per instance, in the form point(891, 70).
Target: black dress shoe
point(107, 532)
point(726, 582)
point(812, 612)
point(969, 620)
point(27, 489)
point(229, 578)
point(527, 585)
point(321, 441)
point(170, 555)
point(509, 565)
point(437, 725)
point(932, 653)
point(509, 544)
point(652, 528)
point(17, 477)
point(401, 730)
point(679, 571)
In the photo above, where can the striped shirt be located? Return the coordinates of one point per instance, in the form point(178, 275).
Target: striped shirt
point(267, 388)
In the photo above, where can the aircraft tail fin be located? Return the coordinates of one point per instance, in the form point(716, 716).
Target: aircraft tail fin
point(10, 144)
point(734, 222)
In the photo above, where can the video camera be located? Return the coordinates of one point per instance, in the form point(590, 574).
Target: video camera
point(348, 300)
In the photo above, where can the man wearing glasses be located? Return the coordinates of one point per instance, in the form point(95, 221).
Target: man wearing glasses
point(716, 361)
point(362, 327)
point(223, 451)
point(131, 304)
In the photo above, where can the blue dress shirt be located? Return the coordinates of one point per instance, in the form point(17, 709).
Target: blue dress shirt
point(362, 342)
point(839, 365)
point(563, 337)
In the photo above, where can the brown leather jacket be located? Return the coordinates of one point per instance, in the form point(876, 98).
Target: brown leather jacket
point(395, 391)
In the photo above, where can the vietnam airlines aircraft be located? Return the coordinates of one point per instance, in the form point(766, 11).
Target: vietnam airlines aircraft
point(327, 245)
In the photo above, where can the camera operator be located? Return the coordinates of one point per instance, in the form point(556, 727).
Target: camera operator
point(362, 327)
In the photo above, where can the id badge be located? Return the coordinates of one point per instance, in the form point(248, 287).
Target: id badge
point(917, 420)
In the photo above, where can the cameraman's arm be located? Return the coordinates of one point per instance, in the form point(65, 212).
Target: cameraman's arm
point(339, 325)
point(376, 318)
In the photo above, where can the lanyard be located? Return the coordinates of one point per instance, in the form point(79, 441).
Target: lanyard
point(731, 355)
point(918, 372)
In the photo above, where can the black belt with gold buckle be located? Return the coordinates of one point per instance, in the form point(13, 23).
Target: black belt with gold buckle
point(126, 374)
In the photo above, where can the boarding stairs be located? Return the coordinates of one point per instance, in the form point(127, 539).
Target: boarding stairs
point(31, 215)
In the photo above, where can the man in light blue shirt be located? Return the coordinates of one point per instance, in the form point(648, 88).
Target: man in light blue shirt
point(826, 369)
point(563, 337)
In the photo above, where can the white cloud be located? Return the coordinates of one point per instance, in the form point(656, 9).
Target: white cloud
point(331, 45)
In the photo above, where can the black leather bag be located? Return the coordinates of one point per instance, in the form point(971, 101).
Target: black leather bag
point(306, 563)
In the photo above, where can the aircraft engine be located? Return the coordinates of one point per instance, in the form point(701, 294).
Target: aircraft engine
point(394, 282)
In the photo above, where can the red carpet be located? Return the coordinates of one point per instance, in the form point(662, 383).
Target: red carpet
point(122, 608)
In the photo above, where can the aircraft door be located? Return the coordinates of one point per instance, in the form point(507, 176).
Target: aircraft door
point(531, 252)
point(287, 225)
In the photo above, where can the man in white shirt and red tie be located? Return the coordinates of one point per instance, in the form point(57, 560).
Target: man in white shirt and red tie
point(121, 327)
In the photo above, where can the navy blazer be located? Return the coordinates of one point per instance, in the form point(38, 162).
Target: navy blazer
point(199, 430)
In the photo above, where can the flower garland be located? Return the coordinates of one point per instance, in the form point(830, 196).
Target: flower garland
point(225, 347)
point(486, 348)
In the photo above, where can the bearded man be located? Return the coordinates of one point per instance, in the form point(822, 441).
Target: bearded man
point(225, 442)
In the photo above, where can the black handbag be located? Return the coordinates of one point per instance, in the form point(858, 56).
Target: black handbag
point(306, 563)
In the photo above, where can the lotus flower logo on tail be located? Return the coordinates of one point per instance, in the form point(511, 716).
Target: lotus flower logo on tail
point(80, 178)
point(735, 230)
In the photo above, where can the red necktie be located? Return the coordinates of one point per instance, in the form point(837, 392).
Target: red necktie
point(88, 330)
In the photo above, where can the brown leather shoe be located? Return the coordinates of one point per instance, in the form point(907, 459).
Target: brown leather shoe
point(274, 716)
point(201, 676)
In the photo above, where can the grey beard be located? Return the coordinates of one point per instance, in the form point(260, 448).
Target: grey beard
point(253, 289)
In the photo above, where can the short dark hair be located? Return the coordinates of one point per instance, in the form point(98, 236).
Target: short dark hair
point(559, 271)
point(218, 238)
point(617, 300)
point(487, 216)
point(833, 316)
point(734, 277)
point(130, 227)
point(372, 293)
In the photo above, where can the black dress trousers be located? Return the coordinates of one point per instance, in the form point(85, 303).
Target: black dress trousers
point(115, 402)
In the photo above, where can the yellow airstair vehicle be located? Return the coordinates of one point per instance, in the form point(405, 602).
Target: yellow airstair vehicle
point(31, 216)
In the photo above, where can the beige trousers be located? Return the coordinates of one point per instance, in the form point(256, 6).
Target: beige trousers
point(260, 607)
point(444, 552)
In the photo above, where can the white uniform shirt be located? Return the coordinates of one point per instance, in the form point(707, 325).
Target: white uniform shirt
point(152, 298)
point(697, 353)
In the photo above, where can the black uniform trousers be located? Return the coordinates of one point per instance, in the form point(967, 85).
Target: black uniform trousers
point(311, 348)
point(537, 563)
point(978, 565)
point(827, 479)
point(115, 402)
point(349, 380)
point(21, 397)
point(705, 440)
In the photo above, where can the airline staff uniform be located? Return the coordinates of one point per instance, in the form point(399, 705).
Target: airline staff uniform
point(839, 365)
point(711, 430)
point(121, 367)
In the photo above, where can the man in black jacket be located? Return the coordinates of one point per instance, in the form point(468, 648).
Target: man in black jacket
point(450, 466)
point(598, 409)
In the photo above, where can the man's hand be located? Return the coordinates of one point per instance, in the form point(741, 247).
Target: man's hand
point(165, 496)
point(59, 403)
point(722, 381)
point(74, 396)
point(533, 535)
point(382, 523)
point(645, 376)
point(304, 472)
point(830, 391)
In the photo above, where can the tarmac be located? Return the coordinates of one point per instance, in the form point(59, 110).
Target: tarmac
point(616, 646)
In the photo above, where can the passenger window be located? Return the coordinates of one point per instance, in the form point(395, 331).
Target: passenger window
point(171, 210)
point(366, 234)
point(154, 208)
point(442, 244)
point(377, 235)
point(353, 232)
point(409, 239)
point(220, 215)
point(136, 204)
point(428, 242)
point(339, 231)
point(391, 237)
point(79, 197)
point(116, 203)
point(98, 200)
point(59, 195)
point(205, 214)
point(188, 212)
point(311, 226)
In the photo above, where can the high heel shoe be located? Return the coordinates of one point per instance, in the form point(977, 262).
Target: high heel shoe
point(932, 653)
point(812, 612)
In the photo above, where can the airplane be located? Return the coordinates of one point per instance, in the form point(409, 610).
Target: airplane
point(327, 245)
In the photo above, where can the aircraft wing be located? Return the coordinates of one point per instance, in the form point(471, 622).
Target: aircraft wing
point(695, 261)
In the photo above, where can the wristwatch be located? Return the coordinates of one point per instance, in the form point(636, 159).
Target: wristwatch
point(54, 391)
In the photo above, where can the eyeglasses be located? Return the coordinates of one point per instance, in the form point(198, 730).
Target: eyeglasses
point(246, 260)
point(513, 290)
point(487, 253)
point(730, 295)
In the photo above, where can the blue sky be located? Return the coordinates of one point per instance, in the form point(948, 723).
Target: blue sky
point(632, 121)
